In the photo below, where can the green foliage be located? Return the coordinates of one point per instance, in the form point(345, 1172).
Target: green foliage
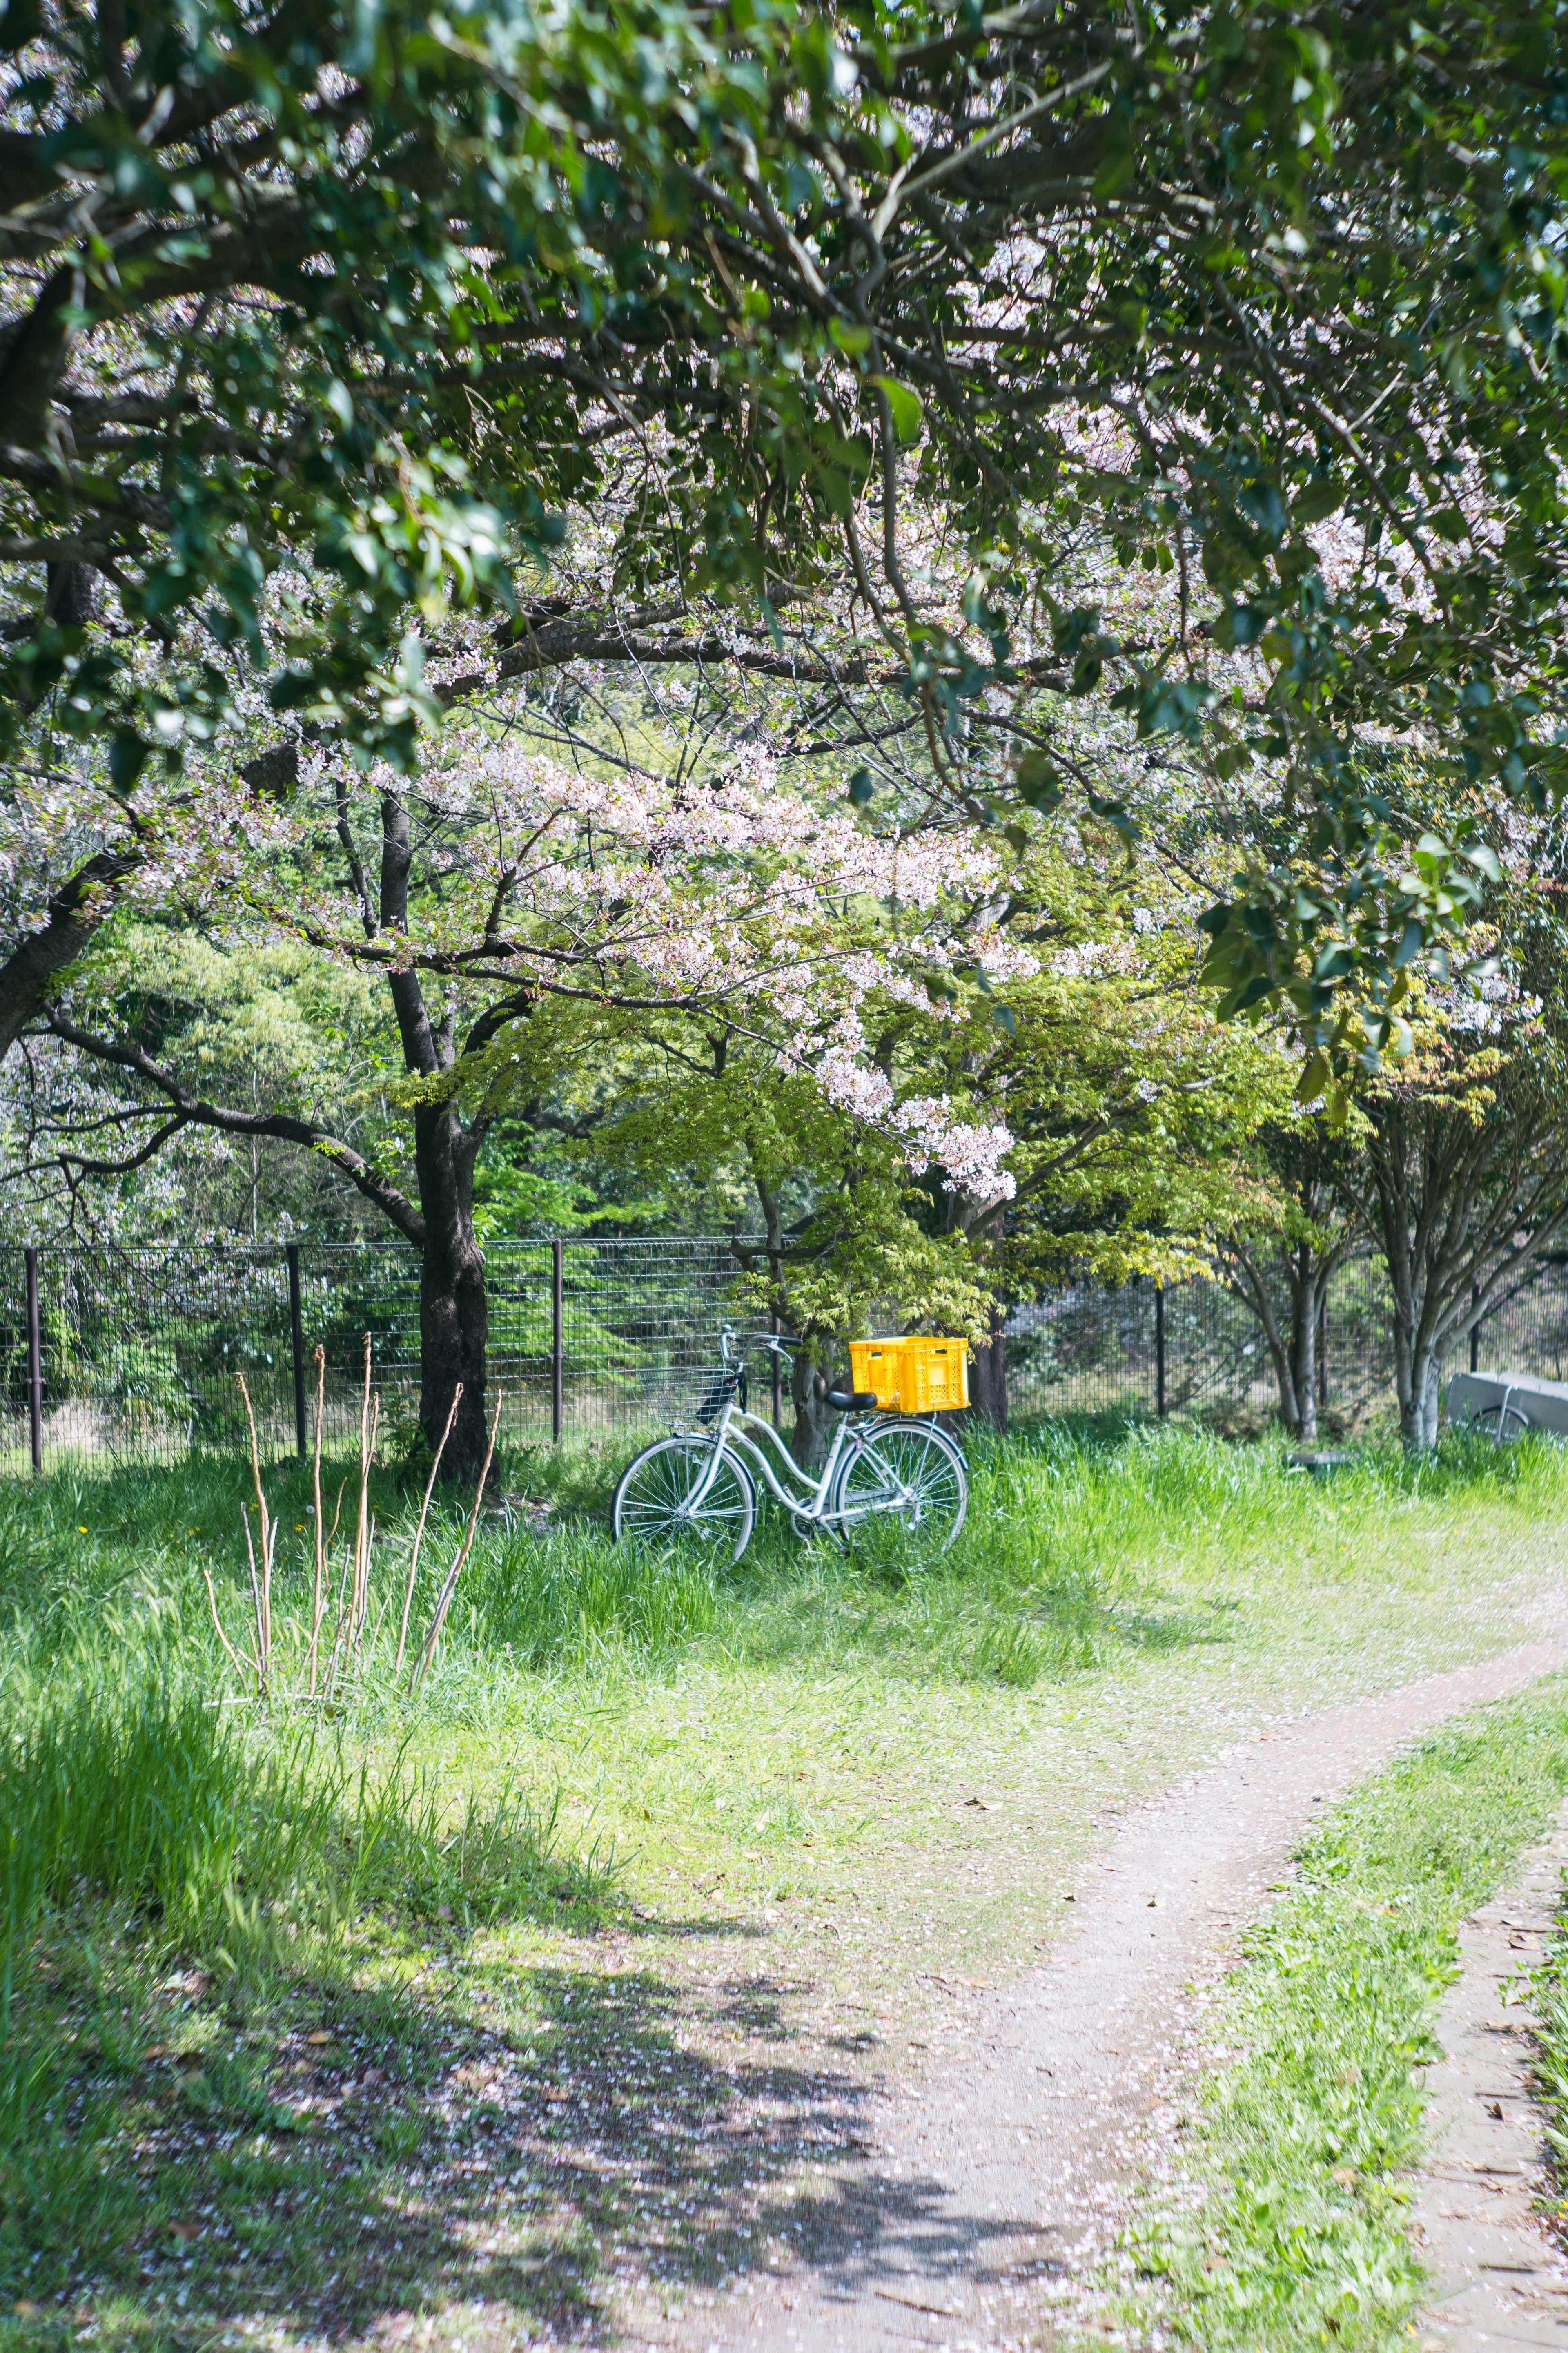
point(386, 427)
point(130, 1784)
point(1548, 2003)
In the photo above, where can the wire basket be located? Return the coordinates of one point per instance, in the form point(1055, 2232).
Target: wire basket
point(700, 1392)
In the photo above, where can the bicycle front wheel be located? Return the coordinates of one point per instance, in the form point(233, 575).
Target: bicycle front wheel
point(909, 1473)
point(659, 1502)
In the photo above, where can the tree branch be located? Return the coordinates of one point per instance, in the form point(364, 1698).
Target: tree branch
point(73, 915)
point(194, 1111)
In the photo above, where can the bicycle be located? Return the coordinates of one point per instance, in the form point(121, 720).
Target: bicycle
point(702, 1490)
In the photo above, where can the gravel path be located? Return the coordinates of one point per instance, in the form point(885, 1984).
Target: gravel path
point(985, 2191)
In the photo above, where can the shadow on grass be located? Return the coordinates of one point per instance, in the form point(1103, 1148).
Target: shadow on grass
point(385, 2166)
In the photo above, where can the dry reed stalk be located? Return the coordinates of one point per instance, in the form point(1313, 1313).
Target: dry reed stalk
point(319, 1598)
point(240, 1664)
point(268, 1536)
point(260, 1660)
point(365, 1556)
point(438, 1617)
point(342, 1625)
point(419, 1531)
point(367, 1422)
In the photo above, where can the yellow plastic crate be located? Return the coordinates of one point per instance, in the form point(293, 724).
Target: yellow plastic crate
point(913, 1374)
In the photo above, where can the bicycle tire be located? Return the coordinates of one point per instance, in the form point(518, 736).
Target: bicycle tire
point(649, 1505)
point(909, 1471)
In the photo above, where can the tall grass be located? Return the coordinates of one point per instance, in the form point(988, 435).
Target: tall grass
point(140, 1819)
point(122, 1780)
point(126, 1781)
point(1082, 1540)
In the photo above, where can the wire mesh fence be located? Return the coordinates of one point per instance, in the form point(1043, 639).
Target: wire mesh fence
point(1194, 1350)
point(131, 1354)
point(137, 1350)
point(1090, 1349)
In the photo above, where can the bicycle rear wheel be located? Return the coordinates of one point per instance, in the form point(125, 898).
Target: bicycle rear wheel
point(911, 1473)
point(658, 1501)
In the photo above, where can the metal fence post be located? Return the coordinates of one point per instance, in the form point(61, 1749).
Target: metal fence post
point(778, 1379)
point(557, 1339)
point(1160, 1350)
point(1476, 1330)
point(35, 1363)
point(297, 1338)
point(1323, 1349)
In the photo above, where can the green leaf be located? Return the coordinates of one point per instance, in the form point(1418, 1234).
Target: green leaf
point(1314, 1078)
point(906, 409)
point(1039, 783)
point(862, 787)
point(128, 756)
point(1119, 162)
point(1003, 1018)
point(1262, 505)
point(1316, 502)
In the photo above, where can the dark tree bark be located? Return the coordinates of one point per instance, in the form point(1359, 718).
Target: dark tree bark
point(454, 1312)
point(1462, 1207)
point(988, 1387)
point(1328, 1225)
point(810, 1368)
point(810, 1378)
point(32, 974)
point(1293, 1348)
point(985, 1223)
point(454, 1309)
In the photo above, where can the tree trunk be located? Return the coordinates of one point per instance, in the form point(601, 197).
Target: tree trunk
point(454, 1312)
point(809, 1382)
point(988, 1389)
point(1407, 1372)
point(1305, 1305)
point(1248, 1282)
point(1428, 1385)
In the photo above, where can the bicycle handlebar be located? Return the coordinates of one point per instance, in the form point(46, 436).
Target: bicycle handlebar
point(773, 1342)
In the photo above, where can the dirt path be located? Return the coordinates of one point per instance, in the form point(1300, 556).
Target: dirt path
point(1497, 2278)
point(978, 2199)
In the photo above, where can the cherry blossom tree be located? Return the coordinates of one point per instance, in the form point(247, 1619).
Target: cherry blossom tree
point(500, 887)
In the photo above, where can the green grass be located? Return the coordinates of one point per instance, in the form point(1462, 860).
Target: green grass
point(1302, 2144)
point(1548, 2003)
point(717, 1835)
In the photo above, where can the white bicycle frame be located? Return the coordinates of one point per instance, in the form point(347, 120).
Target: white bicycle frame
point(729, 1434)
